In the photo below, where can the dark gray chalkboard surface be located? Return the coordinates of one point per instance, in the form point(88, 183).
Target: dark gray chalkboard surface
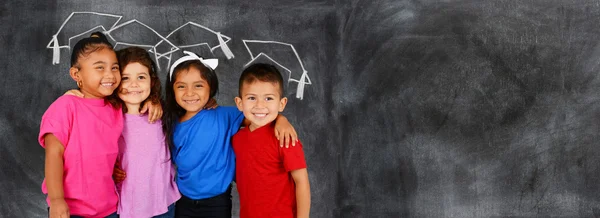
point(432, 108)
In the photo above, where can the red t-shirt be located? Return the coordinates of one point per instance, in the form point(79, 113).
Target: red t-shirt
point(263, 178)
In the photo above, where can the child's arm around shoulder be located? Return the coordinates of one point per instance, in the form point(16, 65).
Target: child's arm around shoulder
point(285, 132)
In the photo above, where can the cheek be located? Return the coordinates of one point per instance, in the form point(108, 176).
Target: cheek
point(147, 86)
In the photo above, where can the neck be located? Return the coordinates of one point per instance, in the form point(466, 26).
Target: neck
point(253, 127)
point(188, 115)
point(133, 109)
point(87, 94)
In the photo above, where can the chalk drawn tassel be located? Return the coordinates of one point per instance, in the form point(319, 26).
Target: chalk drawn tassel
point(55, 50)
point(224, 47)
point(300, 89)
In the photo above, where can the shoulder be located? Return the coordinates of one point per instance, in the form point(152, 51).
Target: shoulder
point(225, 112)
point(226, 109)
point(61, 106)
point(65, 100)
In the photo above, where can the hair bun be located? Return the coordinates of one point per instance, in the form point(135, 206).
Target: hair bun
point(99, 35)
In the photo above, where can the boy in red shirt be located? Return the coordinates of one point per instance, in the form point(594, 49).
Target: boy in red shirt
point(271, 181)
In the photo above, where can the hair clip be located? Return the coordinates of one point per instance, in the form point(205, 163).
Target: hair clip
point(211, 63)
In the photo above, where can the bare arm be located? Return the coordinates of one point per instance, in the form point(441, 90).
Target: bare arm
point(54, 176)
point(300, 177)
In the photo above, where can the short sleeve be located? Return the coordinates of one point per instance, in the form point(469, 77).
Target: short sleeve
point(57, 120)
point(235, 116)
point(293, 157)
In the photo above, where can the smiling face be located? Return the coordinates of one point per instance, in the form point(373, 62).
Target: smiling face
point(260, 102)
point(97, 73)
point(191, 92)
point(135, 85)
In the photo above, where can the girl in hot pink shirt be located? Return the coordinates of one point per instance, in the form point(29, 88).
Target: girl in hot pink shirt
point(80, 136)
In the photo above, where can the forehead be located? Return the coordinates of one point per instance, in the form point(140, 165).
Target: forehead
point(135, 67)
point(190, 75)
point(260, 87)
point(102, 54)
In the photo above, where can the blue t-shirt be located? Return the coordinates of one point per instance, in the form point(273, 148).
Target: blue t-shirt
point(203, 153)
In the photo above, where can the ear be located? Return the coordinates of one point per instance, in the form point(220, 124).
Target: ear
point(282, 104)
point(238, 102)
point(74, 72)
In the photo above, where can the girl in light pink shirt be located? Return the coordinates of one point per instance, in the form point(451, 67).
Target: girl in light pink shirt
point(149, 190)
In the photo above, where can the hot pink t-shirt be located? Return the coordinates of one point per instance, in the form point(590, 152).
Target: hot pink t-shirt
point(89, 129)
point(149, 187)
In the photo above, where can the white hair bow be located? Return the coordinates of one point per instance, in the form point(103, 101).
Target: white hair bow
point(212, 63)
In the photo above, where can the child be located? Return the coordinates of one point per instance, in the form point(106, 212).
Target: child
point(200, 140)
point(150, 189)
point(80, 136)
point(271, 181)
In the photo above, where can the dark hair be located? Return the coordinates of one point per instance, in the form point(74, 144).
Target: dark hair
point(130, 55)
point(86, 46)
point(173, 111)
point(261, 72)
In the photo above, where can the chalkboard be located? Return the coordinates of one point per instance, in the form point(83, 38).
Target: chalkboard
point(438, 108)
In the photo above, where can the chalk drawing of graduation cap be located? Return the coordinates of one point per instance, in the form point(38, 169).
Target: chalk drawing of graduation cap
point(283, 55)
point(193, 35)
point(136, 33)
point(79, 24)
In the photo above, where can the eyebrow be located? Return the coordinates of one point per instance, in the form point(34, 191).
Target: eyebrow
point(102, 62)
point(199, 81)
point(136, 73)
point(257, 94)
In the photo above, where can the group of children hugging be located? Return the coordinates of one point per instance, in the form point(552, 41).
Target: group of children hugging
point(114, 148)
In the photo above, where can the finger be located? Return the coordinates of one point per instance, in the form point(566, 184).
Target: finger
point(279, 138)
point(119, 174)
point(154, 115)
point(294, 138)
point(157, 115)
point(144, 108)
point(287, 140)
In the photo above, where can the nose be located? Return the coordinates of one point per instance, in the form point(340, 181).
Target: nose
point(134, 83)
point(260, 103)
point(109, 74)
point(188, 92)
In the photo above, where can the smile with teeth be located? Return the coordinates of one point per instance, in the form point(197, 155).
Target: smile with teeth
point(191, 101)
point(107, 84)
point(260, 115)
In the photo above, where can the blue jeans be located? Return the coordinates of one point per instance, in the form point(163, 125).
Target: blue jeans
point(169, 214)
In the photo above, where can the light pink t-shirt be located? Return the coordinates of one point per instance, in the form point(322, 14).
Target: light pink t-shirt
point(89, 129)
point(149, 187)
